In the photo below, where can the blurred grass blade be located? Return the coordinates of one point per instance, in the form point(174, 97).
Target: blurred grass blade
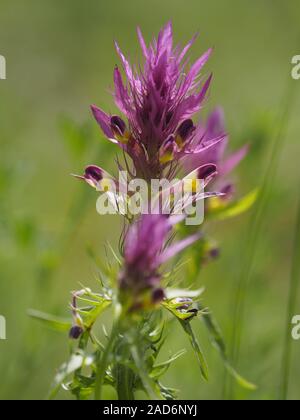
point(50, 321)
point(291, 311)
point(196, 346)
point(254, 232)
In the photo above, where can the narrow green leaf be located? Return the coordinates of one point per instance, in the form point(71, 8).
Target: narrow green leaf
point(161, 368)
point(196, 346)
point(167, 393)
point(50, 321)
point(235, 208)
point(219, 343)
point(239, 379)
point(91, 317)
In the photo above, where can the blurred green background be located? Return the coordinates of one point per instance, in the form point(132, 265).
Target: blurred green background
point(60, 59)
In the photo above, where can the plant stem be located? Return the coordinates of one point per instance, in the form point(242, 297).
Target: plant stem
point(125, 383)
point(102, 363)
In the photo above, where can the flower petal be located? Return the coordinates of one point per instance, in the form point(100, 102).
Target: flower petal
point(233, 160)
point(178, 247)
point(103, 120)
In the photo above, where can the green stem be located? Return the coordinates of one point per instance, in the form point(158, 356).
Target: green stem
point(125, 383)
point(102, 363)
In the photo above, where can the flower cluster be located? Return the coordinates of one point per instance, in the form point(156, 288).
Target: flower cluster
point(157, 132)
point(158, 101)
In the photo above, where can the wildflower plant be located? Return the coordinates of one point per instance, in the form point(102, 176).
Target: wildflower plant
point(138, 285)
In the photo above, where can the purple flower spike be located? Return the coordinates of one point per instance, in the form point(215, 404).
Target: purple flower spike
point(145, 251)
point(158, 101)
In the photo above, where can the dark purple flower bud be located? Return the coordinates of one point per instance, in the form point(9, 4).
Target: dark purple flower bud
point(207, 171)
point(214, 253)
point(185, 129)
point(228, 192)
point(93, 173)
point(75, 332)
point(118, 126)
point(158, 295)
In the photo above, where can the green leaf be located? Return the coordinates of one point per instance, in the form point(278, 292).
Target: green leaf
point(182, 303)
point(50, 321)
point(97, 303)
point(196, 346)
point(161, 368)
point(235, 208)
point(91, 316)
point(219, 343)
point(167, 393)
point(239, 379)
